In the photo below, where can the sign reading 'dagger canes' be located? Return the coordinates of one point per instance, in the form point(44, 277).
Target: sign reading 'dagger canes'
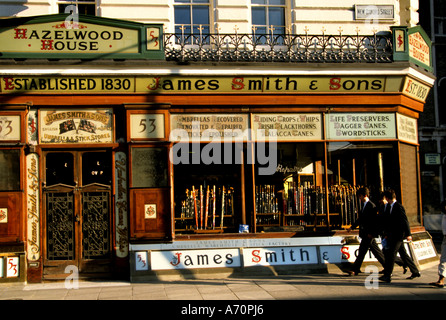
point(76, 126)
point(360, 126)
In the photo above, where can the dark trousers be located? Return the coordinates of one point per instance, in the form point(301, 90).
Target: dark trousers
point(395, 247)
point(364, 246)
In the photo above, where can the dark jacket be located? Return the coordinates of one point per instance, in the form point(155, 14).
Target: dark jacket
point(367, 220)
point(395, 224)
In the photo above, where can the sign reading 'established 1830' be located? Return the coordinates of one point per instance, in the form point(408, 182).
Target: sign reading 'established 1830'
point(88, 37)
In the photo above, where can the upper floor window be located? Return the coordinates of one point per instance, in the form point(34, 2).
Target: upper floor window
point(83, 6)
point(191, 16)
point(268, 16)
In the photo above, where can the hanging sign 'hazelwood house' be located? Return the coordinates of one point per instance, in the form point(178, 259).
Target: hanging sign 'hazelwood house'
point(87, 37)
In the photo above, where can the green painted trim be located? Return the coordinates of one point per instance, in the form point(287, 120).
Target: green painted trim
point(143, 53)
point(428, 42)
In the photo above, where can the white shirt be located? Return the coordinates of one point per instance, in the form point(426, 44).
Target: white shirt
point(365, 203)
point(391, 205)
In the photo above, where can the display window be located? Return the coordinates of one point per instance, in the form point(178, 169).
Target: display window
point(293, 198)
point(312, 188)
point(351, 165)
point(209, 188)
point(233, 194)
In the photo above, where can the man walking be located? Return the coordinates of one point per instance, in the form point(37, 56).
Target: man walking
point(368, 230)
point(442, 265)
point(396, 229)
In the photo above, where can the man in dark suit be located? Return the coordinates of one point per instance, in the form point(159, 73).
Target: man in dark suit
point(368, 230)
point(395, 229)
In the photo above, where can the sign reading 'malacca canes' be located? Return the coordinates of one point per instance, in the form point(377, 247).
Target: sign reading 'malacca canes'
point(88, 37)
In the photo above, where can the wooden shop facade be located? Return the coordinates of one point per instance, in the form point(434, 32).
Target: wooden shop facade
point(126, 152)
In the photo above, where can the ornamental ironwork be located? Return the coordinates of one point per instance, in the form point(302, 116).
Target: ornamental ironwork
point(323, 48)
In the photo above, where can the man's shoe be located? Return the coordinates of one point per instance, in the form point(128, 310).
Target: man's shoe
point(437, 284)
point(413, 276)
point(353, 272)
point(385, 279)
point(404, 270)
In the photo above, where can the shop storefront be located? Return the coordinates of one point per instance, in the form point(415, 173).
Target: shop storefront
point(142, 166)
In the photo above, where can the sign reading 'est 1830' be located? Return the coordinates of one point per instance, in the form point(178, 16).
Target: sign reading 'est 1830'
point(55, 36)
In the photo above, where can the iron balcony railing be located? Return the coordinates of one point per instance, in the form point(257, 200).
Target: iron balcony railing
point(322, 48)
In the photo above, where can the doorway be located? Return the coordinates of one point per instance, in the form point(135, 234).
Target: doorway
point(77, 219)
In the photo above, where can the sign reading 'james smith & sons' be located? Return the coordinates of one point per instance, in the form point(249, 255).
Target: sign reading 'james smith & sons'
point(76, 126)
point(53, 36)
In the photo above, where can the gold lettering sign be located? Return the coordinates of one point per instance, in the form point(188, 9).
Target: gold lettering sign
point(419, 49)
point(81, 37)
point(66, 84)
point(415, 89)
point(273, 84)
point(76, 126)
point(287, 126)
point(209, 127)
point(203, 84)
point(33, 207)
point(362, 126)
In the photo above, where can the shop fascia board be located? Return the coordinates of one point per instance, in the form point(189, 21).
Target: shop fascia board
point(367, 70)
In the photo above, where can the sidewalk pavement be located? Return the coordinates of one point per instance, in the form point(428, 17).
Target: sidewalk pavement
point(333, 285)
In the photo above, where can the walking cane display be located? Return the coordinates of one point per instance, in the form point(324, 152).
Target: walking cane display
point(203, 202)
point(201, 207)
point(195, 207)
point(207, 209)
point(222, 207)
point(214, 196)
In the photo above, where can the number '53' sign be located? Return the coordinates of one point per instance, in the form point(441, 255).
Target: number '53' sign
point(9, 127)
point(147, 126)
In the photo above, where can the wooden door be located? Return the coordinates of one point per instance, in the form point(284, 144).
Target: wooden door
point(77, 202)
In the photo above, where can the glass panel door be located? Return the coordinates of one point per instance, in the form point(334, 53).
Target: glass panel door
point(77, 197)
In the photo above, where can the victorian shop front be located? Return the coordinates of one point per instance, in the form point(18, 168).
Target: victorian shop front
point(146, 155)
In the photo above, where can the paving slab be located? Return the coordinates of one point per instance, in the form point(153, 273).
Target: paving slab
point(332, 286)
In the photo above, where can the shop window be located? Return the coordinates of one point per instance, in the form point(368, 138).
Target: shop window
point(192, 18)
point(292, 198)
point(208, 194)
point(10, 172)
point(268, 18)
point(358, 164)
point(96, 168)
point(87, 7)
point(60, 168)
